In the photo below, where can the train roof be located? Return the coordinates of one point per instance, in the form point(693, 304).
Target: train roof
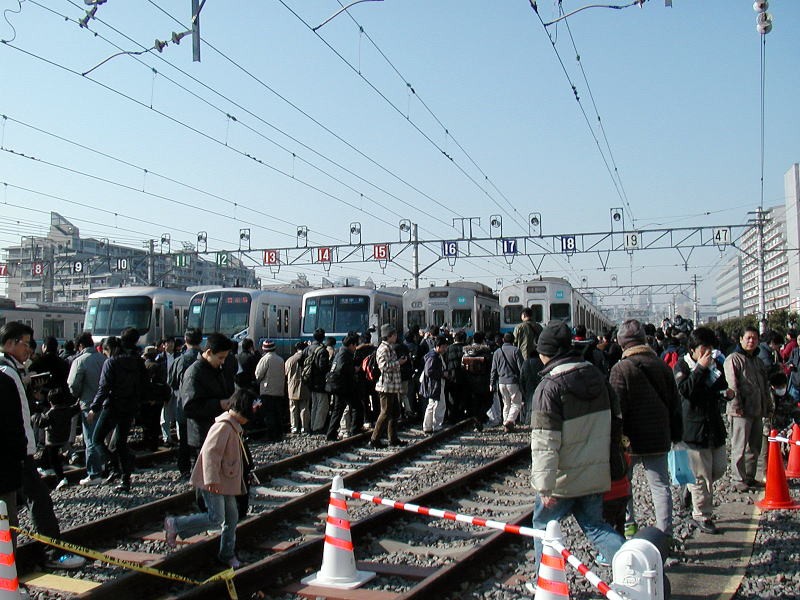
point(252, 291)
point(355, 289)
point(472, 286)
point(138, 291)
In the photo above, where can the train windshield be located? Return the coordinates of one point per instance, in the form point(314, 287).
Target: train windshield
point(338, 314)
point(462, 318)
point(109, 316)
point(227, 313)
point(416, 317)
point(560, 311)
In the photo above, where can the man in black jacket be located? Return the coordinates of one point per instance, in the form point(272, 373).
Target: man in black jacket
point(12, 446)
point(204, 392)
point(341, 383)
point(123, 385)
point(193, 338)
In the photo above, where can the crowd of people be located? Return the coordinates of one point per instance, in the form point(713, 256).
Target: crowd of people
point(596, 406)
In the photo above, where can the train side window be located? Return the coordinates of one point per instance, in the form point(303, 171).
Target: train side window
point(286, 321)
point(438, 317)
point(158, 317)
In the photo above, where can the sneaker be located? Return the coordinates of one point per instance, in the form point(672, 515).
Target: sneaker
point(62, 484)
point(630, 530)
point(602, 561)
point(705, 525)
point(45, 472)
point(171, 532)
point(89, 480)
point(377, 444)
point(531, 587)
point(65, 561)
point(233, 562)
point(508, 427)
point(741, 486)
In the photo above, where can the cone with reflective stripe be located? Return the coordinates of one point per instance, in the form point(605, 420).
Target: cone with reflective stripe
point(793, 466)
point(338, 562)
point(9, 584)
point(552, 581)
point(776, 494)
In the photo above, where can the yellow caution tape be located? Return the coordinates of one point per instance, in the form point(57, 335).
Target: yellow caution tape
point(226, 575)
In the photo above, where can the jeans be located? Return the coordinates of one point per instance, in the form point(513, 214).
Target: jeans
point(106, 423)
point(222, 512)
point(168, 418)
point(94, 458)
point(657, 473)
point(588, 512)
point(352, 402)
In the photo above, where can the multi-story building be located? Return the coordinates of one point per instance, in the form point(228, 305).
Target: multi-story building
point(737, 281)
point(64, 268)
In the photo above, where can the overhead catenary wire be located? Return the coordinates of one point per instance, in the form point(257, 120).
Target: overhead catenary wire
point(178, 121)
point(580, 107)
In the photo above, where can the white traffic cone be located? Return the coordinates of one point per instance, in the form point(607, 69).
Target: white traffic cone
point(9, 584)
point(551, 583)
point(338, 562)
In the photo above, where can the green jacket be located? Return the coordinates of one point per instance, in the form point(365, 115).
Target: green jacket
point(526, 336)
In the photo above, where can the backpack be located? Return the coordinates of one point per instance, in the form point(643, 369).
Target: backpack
point(671, 358)
point(475, 365)
point(370, 366)
point(333, 377)
point(307, 374)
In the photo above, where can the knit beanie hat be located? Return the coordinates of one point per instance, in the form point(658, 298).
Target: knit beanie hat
point(555, 337)
point(631, 333)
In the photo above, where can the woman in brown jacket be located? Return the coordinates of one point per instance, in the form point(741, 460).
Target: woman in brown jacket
point(219, 475)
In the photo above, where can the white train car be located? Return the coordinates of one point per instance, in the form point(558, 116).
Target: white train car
point(156, 312)
point(243, 313)
point(549, 298)
point(339, 310)
point(463, 305)
point(61, 322)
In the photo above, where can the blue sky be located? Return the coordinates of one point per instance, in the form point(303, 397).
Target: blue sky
point(677, 89)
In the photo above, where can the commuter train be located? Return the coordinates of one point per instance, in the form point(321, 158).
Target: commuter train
point(464, 305)
point(60, 322)
point(156, 312)
point(550, 298)
point(243, 313)
point(339, 310)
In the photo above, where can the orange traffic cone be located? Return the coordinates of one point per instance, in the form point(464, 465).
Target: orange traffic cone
point(793, 466)
point(552, 580)
point(338, 568)
point(9, 584)
point(776, 496)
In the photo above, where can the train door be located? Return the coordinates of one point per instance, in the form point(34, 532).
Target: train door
point(157, 331)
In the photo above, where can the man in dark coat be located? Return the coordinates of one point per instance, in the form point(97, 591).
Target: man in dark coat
point(123, 385)
point(700, 383)
point(651, 418)
point(193, 338)
point(204, 391)
point(341, 384)
point(12, 447)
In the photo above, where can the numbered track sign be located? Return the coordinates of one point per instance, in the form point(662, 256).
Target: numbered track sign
point(380, 251)
point(222, 259)
point(633, 240)
point(77, 267)
point(122, 264)
point(37, 269)
point(568, 243)
point(509, 246)
point(182, 261)
point(324, 254)
point(722, 236)
point(450, 249)
point(271, 257)
point(3, 270)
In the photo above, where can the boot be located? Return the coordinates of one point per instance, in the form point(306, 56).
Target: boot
point(124, 485)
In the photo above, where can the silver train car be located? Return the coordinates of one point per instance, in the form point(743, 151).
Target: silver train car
point(61, 322)
point(463, 305)
point(339, 310)
point(243, 313)
point(156, 312)
point(549, 298)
